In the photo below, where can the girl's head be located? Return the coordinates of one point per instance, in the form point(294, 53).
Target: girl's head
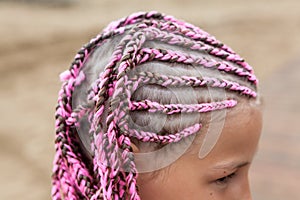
point(155, 108)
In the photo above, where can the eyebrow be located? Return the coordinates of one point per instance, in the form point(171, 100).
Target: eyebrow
point(231, 165)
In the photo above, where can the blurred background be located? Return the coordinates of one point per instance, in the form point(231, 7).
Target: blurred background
point(38, 39)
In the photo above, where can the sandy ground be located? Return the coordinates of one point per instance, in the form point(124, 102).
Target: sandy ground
point(38, 42)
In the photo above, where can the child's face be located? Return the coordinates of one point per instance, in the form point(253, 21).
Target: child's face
point(221, 175)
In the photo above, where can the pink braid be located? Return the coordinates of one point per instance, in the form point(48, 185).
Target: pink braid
point(170, 109)
point(149, 77)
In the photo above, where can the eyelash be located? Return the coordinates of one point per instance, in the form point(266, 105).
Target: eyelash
point(224, 180)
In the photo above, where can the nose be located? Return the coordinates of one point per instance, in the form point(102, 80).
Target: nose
point(247, 192)
point(248, 196)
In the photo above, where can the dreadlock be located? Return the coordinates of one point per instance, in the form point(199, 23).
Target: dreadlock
point(119, 77)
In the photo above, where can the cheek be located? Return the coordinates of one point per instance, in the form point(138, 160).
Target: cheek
point(177, 182)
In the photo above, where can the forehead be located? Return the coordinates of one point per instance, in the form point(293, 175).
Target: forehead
point(241, 130)
point(239, 135)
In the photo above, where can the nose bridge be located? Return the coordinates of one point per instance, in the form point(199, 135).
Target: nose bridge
point(248, 195)
point(247, 192)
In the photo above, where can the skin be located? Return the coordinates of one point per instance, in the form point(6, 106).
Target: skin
point(221, 175)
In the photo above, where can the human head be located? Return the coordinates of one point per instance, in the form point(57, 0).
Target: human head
point(145, 82)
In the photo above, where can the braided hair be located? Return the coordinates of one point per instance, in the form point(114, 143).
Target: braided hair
point(120, 82)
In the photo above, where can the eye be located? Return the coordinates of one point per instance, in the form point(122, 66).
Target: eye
point(225, 180)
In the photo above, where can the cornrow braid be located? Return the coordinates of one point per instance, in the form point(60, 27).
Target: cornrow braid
point(171, 56)
point(106, 102)
point(179, 40)
point(170, 109)
point(149, 77)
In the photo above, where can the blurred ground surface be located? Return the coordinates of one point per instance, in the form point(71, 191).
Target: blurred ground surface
point(38, 42)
